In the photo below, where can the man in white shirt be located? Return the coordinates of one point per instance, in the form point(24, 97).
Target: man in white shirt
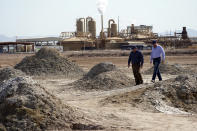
point(157, 52)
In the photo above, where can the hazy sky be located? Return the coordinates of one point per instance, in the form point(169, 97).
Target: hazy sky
point(50, 17)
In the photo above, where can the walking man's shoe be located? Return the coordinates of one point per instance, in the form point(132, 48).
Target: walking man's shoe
point(153, 81)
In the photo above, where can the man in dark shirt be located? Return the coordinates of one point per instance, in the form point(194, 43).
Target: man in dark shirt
point(137, 60)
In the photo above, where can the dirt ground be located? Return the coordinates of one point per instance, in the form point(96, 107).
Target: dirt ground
point(114, 117)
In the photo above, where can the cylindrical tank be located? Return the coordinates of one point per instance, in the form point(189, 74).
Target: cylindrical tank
point(184, 33)
point(80, 26)
point(92, 28)
point(114, 32)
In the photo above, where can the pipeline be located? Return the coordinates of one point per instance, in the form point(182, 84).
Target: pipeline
point(109, 27)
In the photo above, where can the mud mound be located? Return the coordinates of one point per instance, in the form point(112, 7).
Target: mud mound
point(100, 68)
point(103, 76)
point(177, 95)
point(47, 53)
point(8, 73)
point(25, 105)
point(49, 62)
point(167, 69)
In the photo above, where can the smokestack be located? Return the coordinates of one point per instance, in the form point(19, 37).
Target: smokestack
point(102, 28)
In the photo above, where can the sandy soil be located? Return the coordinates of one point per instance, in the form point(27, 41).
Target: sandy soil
point(118, 117)
point(115, 117)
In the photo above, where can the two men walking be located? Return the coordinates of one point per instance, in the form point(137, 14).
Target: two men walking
point(137, 60)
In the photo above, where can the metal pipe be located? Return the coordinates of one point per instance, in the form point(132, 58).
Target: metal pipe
point(128, 30)
point(109, 27)
point(102, 28)
point(109, 23)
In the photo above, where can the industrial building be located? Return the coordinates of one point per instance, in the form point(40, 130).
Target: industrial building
point(138, 32)
point(16, 47)
point(42, 41)
point(77, 43)
point(51, 42)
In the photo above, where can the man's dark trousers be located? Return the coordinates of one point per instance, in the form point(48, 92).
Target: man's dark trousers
point(156, 63)
point(137, 74)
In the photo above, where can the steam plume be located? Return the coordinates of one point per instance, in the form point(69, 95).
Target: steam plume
point(102, 5)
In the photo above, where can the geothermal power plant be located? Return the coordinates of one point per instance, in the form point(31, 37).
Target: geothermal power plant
point(83, 80)
point(112, 37)
point(86, 37)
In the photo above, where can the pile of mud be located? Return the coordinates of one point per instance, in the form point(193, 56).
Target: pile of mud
point(48, 61)
point(175, 96)
point(103, 76)
point(25, 105)
point(8, 73)
point(168, 69)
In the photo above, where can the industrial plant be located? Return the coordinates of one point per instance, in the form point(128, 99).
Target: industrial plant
point(112, 37)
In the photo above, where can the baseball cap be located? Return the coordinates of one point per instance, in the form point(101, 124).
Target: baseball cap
point(154, 42)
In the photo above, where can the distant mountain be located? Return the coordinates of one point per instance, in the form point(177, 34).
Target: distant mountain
point(4, 38)
point(192, 32)
point(38, 36)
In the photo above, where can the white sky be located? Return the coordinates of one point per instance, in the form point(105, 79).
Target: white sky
point(50, 17)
